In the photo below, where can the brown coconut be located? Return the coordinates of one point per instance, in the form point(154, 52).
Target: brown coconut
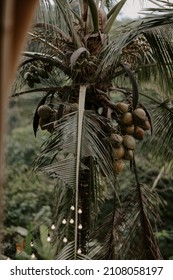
point(44, 112)
point(139, 133)
point(44, 123)
point(130, 129)
point(146, 125)
point(119, 152)
point(129, 142)
point(116, 140)
point(139, 114)
point(119, 166)
point(127, 119)
point(123, 107)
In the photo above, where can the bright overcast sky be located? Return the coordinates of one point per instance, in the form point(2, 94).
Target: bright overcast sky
point(132, 7)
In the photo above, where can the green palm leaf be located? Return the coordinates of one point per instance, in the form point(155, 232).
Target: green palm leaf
point(94, 14)
point(58, 12)
point(60, 148)
point(125, 35)
point(160, 145)
point(160, 40)
point(113, 13)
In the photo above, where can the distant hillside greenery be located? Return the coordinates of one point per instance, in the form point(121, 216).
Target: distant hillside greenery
point(29, 197)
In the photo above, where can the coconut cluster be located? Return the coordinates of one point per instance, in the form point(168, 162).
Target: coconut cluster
point(34, 75)
point(131, 126)
point(48, 117)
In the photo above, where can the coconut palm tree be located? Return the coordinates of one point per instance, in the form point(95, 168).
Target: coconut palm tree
point(90, 104)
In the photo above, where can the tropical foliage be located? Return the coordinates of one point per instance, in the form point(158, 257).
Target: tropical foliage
point(91, 105)
point(27, 196)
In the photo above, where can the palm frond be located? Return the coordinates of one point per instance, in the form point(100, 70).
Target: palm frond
point(65, 9)
point(160, 145)
point(67, 253)
point(53, 60)
point(161, 6)
point(81, 109)
point(60, 35)
point(62, 211)
point(40, 69)
point(45, 44)
point(76, 152)
point(94, 14)
point(105, 248)
point(61, 148)
point(48, 12)
point(125, 35)
point(129, 232)
point(112, 15)
point(160, 40)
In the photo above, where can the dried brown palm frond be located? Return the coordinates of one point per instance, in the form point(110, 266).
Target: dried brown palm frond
point(128, 230)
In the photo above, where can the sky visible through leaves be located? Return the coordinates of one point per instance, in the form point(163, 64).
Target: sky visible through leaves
point(132, 8)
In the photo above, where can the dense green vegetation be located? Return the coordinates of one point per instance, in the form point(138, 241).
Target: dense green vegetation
point(29, 197)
